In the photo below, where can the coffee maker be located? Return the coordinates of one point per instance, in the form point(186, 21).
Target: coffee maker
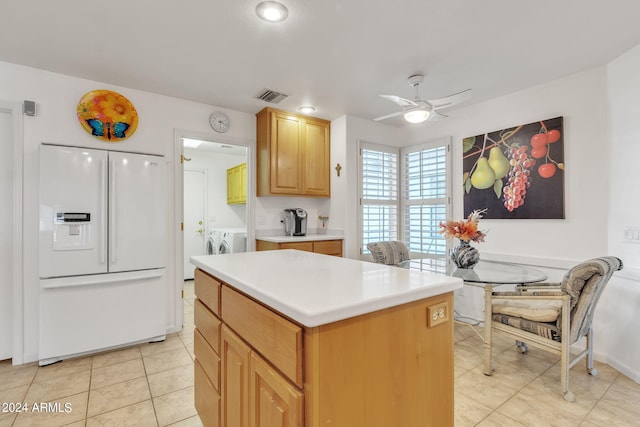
point(295, 222)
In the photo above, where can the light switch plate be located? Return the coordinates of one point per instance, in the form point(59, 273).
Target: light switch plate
point(437, 314)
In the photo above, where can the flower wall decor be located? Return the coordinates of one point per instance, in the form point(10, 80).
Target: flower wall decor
point(516, 173)
point(107, 115)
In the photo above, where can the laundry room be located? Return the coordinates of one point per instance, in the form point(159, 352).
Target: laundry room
point(215, 209)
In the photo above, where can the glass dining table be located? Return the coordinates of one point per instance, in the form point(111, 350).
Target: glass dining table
point(486, 275)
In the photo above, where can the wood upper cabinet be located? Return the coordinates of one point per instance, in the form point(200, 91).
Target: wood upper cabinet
point(316, 162)
point(293, 154)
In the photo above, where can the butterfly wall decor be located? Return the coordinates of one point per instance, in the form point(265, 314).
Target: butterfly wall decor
point(107, 115)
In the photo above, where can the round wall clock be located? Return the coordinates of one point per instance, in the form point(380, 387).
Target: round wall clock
point(219, 121)
point(107, 115)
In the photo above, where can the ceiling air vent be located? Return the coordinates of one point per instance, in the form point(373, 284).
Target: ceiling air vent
point(271, 96)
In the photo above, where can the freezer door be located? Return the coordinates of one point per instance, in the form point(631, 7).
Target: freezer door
point(91, 313)
point(137, 232)
point(73, 204)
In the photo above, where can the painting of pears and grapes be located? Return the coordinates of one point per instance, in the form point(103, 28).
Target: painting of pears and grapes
point(516, 173)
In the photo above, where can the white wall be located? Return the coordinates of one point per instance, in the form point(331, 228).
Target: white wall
point(57, 96)
point(581, 100)
point(618, 309)
point(601, 147)
point(623, 85)
point(6, 233)
point(219, 213)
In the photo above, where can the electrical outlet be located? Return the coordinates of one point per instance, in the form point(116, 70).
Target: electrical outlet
point(261, 220)
point(631, 235)
point(437, 314)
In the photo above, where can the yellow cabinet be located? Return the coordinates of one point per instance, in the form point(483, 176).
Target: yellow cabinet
point(293, 154)
point(237, 185)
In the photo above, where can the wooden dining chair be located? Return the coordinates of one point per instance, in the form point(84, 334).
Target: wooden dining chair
point(390, 252)
point(552, 316)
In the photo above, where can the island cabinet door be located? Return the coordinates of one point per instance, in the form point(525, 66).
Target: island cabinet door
point(273, 401)
point(235, 380)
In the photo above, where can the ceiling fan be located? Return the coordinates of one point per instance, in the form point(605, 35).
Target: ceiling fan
point(418, 111)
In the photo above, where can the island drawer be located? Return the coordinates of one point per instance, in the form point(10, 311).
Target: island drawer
point(207, 290)
point(207, 324)
point(207, 399)
point(209, 359)
point(276, 338)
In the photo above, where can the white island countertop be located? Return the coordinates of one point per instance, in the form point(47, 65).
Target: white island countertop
point(307, 238)
point(314, 289)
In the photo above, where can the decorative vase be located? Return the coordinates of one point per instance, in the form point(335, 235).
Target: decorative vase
point(464, 255)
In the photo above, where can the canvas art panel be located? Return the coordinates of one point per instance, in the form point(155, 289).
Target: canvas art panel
point(516, 173)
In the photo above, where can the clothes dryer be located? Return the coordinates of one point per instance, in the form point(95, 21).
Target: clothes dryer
point(232, 240)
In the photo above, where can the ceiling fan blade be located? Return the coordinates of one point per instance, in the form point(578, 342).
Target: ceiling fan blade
point(450, 100)
point(403, 102)
point(435, 116)
point(388, 116)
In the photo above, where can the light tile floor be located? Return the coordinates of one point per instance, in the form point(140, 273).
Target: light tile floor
point(152, 384)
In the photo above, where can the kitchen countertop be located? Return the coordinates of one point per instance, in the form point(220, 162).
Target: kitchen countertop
point(307, 238)
point(315, 289)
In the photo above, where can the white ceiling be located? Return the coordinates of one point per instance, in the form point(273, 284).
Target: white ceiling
point(335, 54)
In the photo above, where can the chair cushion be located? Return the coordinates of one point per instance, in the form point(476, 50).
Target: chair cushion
point(546, 330)
point(537, 311)
point(390, 253)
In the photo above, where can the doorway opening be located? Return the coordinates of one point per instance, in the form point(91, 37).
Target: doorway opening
point(11, 288)
point(215, 199)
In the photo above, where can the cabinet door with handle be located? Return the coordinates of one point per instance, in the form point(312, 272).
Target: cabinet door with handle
point(234, 388)
point(286, 156)
point(273, 401)
point(316, 164)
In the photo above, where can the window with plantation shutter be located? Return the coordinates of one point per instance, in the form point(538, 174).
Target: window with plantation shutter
point(379, 204)
point(404, 196)
point(426, 189)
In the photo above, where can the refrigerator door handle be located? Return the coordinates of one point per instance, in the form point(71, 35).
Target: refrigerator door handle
point(112, 212)
point(103, 211)
point(100, 279)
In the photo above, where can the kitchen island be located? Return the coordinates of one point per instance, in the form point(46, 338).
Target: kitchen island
point(293, 338)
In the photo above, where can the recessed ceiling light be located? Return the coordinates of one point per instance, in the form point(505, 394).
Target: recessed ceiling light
point(307, 109)
point(272, 11)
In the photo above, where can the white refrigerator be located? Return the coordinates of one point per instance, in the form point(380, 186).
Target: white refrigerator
point(102, 250)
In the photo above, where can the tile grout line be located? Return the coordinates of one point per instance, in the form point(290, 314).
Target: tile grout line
point(86, 412)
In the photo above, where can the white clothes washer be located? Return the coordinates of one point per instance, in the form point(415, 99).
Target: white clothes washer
point(213, 241)
point(232, 240)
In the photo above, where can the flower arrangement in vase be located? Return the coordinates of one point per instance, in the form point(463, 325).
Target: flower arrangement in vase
point(464, 255)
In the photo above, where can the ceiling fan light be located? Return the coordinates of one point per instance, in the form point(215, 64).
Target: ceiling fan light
point(416, 115)
point(272, 11)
